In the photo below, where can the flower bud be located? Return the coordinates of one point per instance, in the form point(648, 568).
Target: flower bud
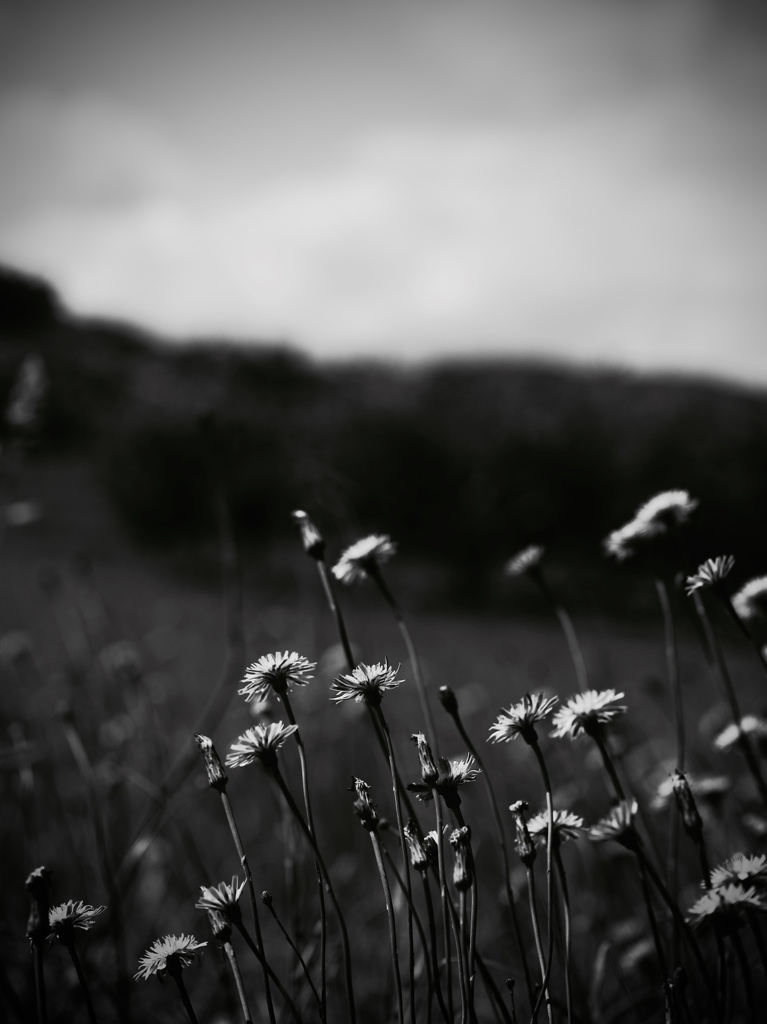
point(429, 769)
point(525, 844)
point(221, 928)
point(217, 777)
point(38, 925)
point(419, 858)
point(685, 801)
point(462, 873)
point(449, 700)
point(311, 538)
point(363, 806)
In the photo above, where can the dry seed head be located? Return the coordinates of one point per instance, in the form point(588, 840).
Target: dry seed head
point(685, 801)
point(311, 538)
point(524, 841)
point(419, 857)
point(217, 777)
point(448, 700)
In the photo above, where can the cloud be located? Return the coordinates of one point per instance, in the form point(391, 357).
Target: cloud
point(631, 230)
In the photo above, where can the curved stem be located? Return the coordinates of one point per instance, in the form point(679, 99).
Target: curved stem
point(81, 978)
point(549, 854)
point(433, 948)
point(259, 955)
point(184, 996)
point(229, 950)
point(558, 863)
point(607, 761)
point(544, 993)
point(444, 904)
point(296, 950)
point(335, 610)
point(392, 924)
point(574, 647)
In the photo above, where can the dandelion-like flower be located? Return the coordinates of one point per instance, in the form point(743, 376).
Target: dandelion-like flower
point(276, 672)
point(725, 903)
point(622, 543)
point(586, 711)
point(750, 601)
point(363, 558)
point(741, 869)
point(366, 683)
point(259, 743)
point(452, 775)
point(525, 561)
point(311, 538)
point(64, 918)
point(709, 574)
point(566, 826)
point(617, 825)
point(520, 719)
point(168, 955)
point(749, 725)
point(667, 508)
point(222, 898)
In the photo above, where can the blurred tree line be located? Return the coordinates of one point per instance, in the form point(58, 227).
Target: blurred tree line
point(463, 463)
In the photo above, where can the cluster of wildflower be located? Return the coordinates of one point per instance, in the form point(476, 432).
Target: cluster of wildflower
point(652, 520)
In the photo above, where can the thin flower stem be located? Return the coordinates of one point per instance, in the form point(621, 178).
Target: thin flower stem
point(544, 992)
point(296, 950)
point(392, 925)
point(176, 975)
point(444, 904)
point(433, 948)
point(335, 610)
point(596, 734)
point(758, 938)
point(72, 950)
point(661, 956)
point(549, 854)
point(277, 776)
point(462, 950)
point(253, 902)
point(431, 732)
point(745, 970)
point(259, 955)
point(725, 598)
point(458, 814)
point(560, 867)
point(310, 824)
point(571, 637)
point(229, 950)
point(744, 742)
point(405, 859)
point(42, 1006)
point(455, 715)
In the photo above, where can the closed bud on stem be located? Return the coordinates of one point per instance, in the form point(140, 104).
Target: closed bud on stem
point(524, 841)
point(38, 925)
point(363, 806)
point(217, 777)
point(266, 898)
point(311, 538)
point(462, 874)
point(687, 807)
point(429, 769)
point(449, 700)
point(419, 858)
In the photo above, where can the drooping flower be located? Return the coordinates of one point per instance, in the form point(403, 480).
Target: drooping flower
point(617, 825)
point(222, 897)
point(64, 918)
point(363, 558)
point(525, 561)
point(168, 955)
point(419, 856)
point(311, 538)
point(366, 683)
point(586, 711)
point(749, 725)
point(750, 601)
point(566, 826)
point(276, 672)
point(622, 543)
point(667, 508)
point(741, 869)
point(725, 903)
point(520, 719)
point(710, 573)
point(259, 743)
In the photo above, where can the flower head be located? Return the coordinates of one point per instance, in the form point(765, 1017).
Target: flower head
point(749, 725)
point(520, 719)
point(750, 601)
point(710, 573)
point(741, 869)
point(429, 769)
point(460, 840)
point(311, 538)
point(667, 508)
point(524, 841)
point(617, 825)
point(586, 711)
point(168, 955)
point(259, 743)
point(275, 672)
point(525, 561)
point(363, 558)
point(222, 898)
point(64, 918)
point(451, 775)
point(363, 805)
point(366, 684)
point(704, 787)
point(419, 855)
point(622, 543)
point(725, 902)
point(37, 885)
point(217, 777)
point(566, 826)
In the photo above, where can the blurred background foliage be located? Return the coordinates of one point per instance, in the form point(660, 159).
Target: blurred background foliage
point(461, 462)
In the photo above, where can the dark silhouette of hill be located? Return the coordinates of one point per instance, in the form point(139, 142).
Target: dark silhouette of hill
point(462, 462)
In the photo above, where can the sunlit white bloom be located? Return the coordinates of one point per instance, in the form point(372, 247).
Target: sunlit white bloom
point(64, 918)
point(585, 711)
point(675, 506)
point(525, 560)
point(366, 683)
point(710, 573)
point(566, 826)
point(362, 558)
point(617, 825)
point(723, 902)
point(259, 743)
point(222, 897)
point(168, 956)
point(751, 600)
point(741, 869)
point(702, 786)
point(750, 725)
point(276, 672)
point(520, 718)
point(622, 543)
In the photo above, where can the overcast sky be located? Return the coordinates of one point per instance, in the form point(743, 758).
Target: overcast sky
point(579, 178)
